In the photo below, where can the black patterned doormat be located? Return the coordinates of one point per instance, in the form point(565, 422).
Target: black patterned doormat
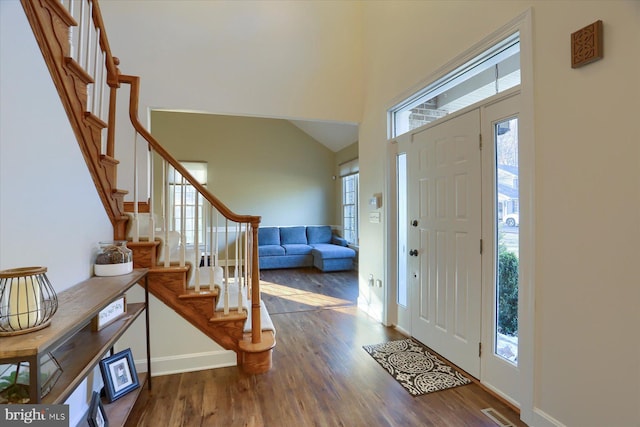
point(414, 367)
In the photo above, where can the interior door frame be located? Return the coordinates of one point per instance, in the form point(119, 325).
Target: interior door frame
point(522, 24)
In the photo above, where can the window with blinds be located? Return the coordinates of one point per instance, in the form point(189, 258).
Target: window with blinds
point(349, 174)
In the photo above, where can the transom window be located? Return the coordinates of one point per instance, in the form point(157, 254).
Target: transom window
point(495, 70)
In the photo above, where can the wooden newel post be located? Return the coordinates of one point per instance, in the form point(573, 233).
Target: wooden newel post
point(256, 326)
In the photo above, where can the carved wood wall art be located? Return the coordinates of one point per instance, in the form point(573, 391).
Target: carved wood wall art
point(586, 45)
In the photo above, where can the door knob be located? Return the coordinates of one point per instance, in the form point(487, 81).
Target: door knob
point(413, 252)
point(414, 223)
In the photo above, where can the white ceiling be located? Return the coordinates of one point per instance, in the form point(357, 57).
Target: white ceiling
point(333, 135)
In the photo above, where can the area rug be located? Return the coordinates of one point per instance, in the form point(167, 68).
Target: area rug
point(414, 367)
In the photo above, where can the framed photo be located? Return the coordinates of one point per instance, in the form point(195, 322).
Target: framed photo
point(110, 314)
point(97, 417)
point(119, 375)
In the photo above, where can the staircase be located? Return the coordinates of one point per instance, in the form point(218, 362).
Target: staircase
point(202, 257)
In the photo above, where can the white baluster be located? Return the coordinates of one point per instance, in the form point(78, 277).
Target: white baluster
point(196, 242)
point(226, 266)
point(238, 265)
point(247, 265)
point(81, 30)
point(166, 207)
point(97, 78)
point(136, 226)
point(152, 222)
point(217, 270)
point(87, 56)
point(183, 223)
point(72, 30)
point(212, 272)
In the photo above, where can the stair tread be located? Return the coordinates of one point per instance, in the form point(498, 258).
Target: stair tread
point(204, 292)
point(108, 159)
point(219, 316)
point(172, 268)
point(73, 66)
point(266, 324)
point(95, 120)
point(143, 241)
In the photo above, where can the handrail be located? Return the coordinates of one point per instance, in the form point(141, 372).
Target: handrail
point(256, 324)
point(72, 80)
point(134, 81)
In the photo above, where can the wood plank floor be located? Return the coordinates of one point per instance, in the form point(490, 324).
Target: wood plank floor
point(321, 376)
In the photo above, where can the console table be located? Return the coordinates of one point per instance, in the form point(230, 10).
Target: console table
point(75, 343)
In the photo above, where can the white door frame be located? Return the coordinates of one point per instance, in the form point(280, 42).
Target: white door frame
point(522, 24)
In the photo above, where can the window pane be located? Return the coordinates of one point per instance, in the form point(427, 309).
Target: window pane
point(402, 296)
point(494, 71)
point(508, 221)
point(350, 208)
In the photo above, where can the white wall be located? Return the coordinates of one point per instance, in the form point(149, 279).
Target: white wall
point(587, 181)
point(286, 176)
point(50, 212)
point(276, 58)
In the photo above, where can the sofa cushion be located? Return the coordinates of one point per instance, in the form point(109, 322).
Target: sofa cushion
point(268, 236)
point(297, 249)
point(337, 240)
point(327, 251)
point(270, 250)
point(333, 264)
point(289, 261)
point(293, 235)
point(319, 234)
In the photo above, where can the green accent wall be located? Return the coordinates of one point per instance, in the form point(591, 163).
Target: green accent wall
point(256, 166)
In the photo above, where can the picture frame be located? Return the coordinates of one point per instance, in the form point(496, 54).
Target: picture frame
point(119, 375)
point(97, 417)
point(112, 312)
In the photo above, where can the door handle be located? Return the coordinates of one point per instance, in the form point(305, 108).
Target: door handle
point(413, 252)
point(414, 222)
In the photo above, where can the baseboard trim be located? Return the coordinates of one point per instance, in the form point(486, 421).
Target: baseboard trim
point(365, 306)
point(188, 362)
point(542, 419)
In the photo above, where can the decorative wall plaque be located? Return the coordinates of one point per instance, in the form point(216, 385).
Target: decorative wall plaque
point(586, 45)
point(110, 314)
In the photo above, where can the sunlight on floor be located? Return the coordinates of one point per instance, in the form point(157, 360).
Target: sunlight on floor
point(301, 296)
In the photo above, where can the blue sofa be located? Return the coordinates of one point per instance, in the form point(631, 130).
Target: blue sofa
point(290, 247)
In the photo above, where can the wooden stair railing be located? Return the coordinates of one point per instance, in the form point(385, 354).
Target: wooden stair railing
point(51, 22)
point(87, 79)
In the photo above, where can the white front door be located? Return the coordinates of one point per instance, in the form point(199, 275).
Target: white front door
point(444, 231)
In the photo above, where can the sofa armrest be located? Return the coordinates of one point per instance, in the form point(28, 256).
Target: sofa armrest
point(336, 240)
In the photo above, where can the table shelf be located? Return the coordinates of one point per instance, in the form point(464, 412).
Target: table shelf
point(74, 342)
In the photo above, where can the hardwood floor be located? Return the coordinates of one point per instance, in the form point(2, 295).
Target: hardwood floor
point(321, 376)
